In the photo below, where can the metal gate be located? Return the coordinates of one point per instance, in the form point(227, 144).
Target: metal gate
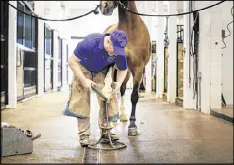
point(60, 54)
point(180, 61)
point(4, 54)
point(48, 58)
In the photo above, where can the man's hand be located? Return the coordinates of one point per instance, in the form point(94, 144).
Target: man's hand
point(86, 83)
point(121, 74)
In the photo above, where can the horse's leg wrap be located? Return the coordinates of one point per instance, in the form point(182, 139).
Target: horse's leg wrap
point(132, 128)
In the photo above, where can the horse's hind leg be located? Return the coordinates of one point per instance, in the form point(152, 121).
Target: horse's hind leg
point(132, 128)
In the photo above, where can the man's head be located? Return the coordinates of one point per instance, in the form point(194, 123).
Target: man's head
point(115, 43)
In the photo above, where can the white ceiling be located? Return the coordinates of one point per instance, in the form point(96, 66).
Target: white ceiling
point(82, 4)
point(89, 5)
point(85, 6)
point(180, 6)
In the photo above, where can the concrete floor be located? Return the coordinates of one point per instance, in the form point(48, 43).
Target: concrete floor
point(167, 134)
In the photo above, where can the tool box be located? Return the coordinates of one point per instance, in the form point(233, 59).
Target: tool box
point(16, 141)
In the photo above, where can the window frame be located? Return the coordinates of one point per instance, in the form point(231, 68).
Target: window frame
point(33, 30)
point(51, 38)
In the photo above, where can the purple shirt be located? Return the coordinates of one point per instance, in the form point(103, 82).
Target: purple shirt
point(94, 57)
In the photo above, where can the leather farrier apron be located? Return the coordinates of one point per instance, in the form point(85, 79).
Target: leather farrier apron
point(78, 104)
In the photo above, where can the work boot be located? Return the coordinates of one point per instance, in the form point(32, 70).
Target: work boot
point(84, 140)
point(105, 138)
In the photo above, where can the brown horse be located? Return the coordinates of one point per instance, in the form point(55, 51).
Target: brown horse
point(138, 51)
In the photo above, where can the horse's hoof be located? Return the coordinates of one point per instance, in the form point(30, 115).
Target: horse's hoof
point(123, 118)
point(132, 131)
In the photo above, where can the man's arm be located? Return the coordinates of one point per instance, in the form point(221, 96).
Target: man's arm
point(121, 74)
point(73, 64)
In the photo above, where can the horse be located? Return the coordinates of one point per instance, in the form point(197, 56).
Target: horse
point(137, 49)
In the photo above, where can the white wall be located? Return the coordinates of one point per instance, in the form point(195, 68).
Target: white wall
point(227, 58)
point(188, 101)
point(214, 68)
point(39, 9)
point(160, 51)
point(91, 23)
point(222, 68)
point(172, 55)
point(12, 75)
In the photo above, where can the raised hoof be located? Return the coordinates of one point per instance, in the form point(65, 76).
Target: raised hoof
point(123, 118)
point(132, 131)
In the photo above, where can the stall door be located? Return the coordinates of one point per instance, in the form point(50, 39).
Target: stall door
point(180, 64)
point(48, 71)
point(26, 53)
point(30, 73)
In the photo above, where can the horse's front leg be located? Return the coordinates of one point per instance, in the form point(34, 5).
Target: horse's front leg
point(123, 116)
point(132, 128)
